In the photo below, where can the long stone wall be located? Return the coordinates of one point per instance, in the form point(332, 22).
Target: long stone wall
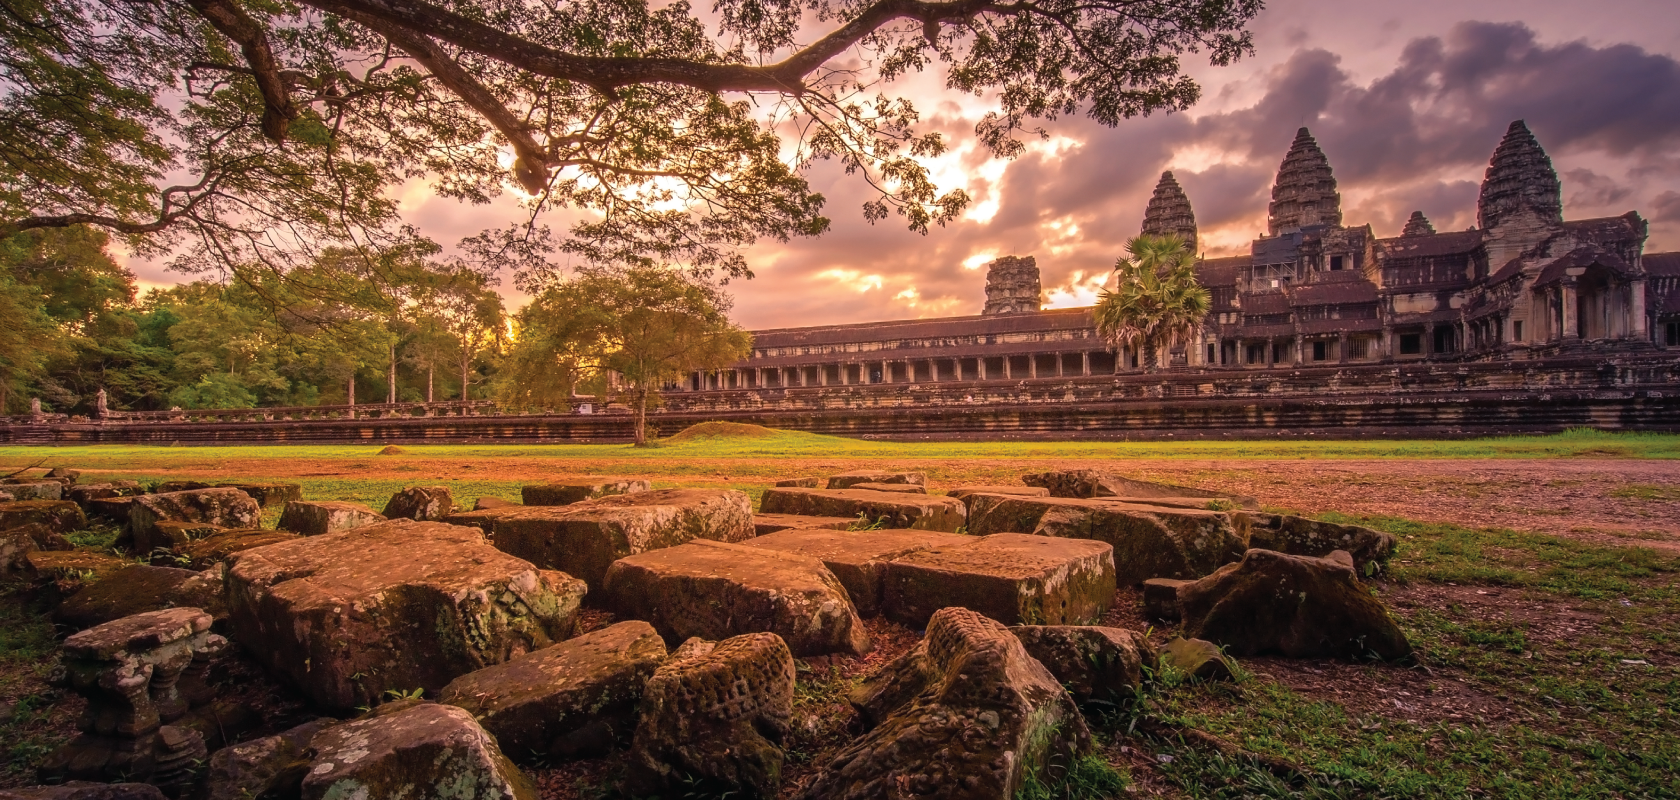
point(1443, 400)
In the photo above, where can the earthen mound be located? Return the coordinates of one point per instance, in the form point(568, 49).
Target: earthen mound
point(392, 450)
point(722, 430)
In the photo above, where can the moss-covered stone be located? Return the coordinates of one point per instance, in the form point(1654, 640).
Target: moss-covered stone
point(884, 509)
point(1148, 541)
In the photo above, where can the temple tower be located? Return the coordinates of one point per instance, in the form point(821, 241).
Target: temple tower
point(1520, 178)
point(1305, 192)
point(1169, 213)
point(1418, 225)
point(1012, 286)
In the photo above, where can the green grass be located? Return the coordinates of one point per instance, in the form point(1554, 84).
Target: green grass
point(1582, 443)
point(1580, 720)
point(28, 652)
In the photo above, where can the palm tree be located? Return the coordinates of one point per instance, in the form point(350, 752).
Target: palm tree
point(1156, 302)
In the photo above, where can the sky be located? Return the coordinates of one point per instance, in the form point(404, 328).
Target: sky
point(1408, 101)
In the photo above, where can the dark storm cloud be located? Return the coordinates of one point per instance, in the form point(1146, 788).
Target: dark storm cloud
point(1666, 208)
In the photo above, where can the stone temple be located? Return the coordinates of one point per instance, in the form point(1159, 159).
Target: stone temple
point(1523, 285)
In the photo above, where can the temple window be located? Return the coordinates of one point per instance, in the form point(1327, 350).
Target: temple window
point(1335, 263)
point(1411, 344)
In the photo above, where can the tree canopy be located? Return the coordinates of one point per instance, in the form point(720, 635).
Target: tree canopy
point(1157, 303)
point(249, 136)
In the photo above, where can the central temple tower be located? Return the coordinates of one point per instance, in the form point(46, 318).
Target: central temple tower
point(1012, 286)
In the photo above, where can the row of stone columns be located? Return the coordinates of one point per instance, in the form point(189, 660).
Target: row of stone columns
point(938, 370)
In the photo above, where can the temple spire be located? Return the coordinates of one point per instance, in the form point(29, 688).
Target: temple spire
point(1520, 177)
point(1169, 212)
point(1418, 225)
point(1305, 192)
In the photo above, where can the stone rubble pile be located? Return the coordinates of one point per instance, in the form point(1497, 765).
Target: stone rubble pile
point(441, 644)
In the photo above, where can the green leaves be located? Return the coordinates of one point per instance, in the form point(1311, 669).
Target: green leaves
point(1157, 301)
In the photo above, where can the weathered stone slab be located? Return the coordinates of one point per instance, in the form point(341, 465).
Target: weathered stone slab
point(575, 698)
point(139, 589)
point(900, 488)
point(1095, 664)
point(17, 543)
point(59, 516)
point(850, 479)
point(1296, 606)
point(316, 517)
point(806, 482)
point(170, 536)
point(85, 790)
point(59, 564)
point(1149, 541)
point(229, 508)
point(1299, 536)
point(712, 723)
point(966, 714)
point(170, 487)
point(267, 495)
point(421, 503)
point(962, 492)
point(216, 548)
point(1016, 579)
point(1197, 658)
point(272, 766)
point(485, 503)
point(585, 538)
point(114, 509)
point(399, 605)
point(418, 752)
point(888, 509)
point(770, 523)
point(1160, 597)
point(857, 558)
point(66, 474)
point(716, 590)
point(565, 493)
point(81, 495)
point(1086, 483)
point(39, 490)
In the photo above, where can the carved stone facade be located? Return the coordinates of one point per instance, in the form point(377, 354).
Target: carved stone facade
point(1012, 286)
point(1528, 285)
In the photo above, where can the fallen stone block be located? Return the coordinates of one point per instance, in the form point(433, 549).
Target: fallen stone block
point(65, 473)
point(216, 548)
point(170, 487)
point(850, 479)
point(45, 538)
point(1299, 536)
point(399, 605)
point(881, 509)
point(317, 517)
point(1296, 606)
point(900, 488)
point(228, 508)
point(585, 538)
point(807, 482)
point(421, 503)
point(967, 713)
point(1090, 483)
point(416, 751)
point(82, 495)
point(169, 536)
point(1197, 658)
point(565, 493)
point(572, 699)
point(962, 492)
point(85, 790)
point(484, 503)
point(1160, 598)
point(114, 509)
point(267, 495)
point(716, 590)
point(139, 589)
point(38, 490)
point(770, 523)
point(1095, 664)
point(81, 565)
point(272, 766)
point(17, 543)
point(857, 558)
point(59, 516)
point(712, 725)
point(1149, 541)
point(1016, 579)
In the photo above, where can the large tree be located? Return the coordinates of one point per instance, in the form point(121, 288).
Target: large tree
point(1157, 303)
point(625, 333)
point(245, 134)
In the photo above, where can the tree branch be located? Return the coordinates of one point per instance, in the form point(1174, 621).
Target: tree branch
point(234, 23)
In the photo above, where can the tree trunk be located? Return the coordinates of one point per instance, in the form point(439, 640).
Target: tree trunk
point(391, 375)
point(430, 368)
point(1150, 363)
point(465, 362)
point(641, 415)
point(351, 393)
